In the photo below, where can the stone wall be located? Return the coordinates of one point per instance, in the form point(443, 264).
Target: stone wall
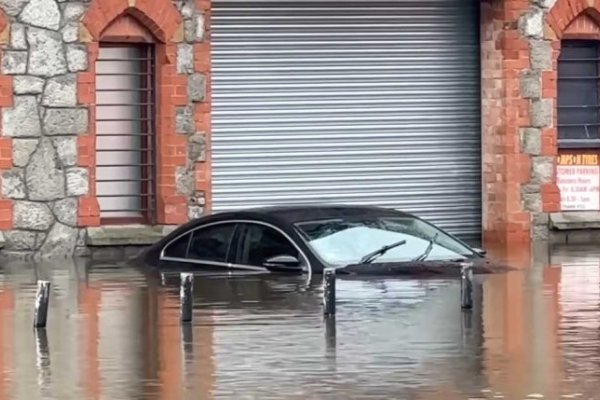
point(50, 54)
point(538, 135)
point(519, 121)
point(42, 55)
point(193, 119)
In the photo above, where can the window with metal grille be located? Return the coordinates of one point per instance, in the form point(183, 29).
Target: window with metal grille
point(578, 102)
point(125, 134)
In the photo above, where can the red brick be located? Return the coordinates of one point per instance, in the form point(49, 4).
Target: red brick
point(549, 142)
point(86, 77)
point(203, 178)
point(178, 100)
point(174, 140)
point(3, 21)
point(203, 4)
point(168, 170)
point(88, 206)
point(168, 189)
point(88, 221)
point(550, 198)
point(175, 217)
point(173, 160)
point(86, 93)
point(207, 26)
point(86, 152)
point(6, 91)
point(519, 168)
point(6, 214)
point(202, 57)
point(5, 143)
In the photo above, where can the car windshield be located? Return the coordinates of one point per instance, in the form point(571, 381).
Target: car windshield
point(344, 241)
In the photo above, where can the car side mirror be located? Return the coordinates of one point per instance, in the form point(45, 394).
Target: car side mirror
point(481, 252)
point(283, 261)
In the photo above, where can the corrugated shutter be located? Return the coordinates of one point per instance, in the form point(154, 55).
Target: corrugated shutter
point(358, 102)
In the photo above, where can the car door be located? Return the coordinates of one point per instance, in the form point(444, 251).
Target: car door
point(258, 243)
point(208, 246)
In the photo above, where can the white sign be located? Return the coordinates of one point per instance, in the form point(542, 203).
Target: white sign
point(579, 187)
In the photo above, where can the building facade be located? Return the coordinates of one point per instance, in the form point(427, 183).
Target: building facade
point(124, 118)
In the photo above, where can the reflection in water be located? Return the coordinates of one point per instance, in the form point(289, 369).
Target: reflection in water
point(43, 361)
point(114, 333)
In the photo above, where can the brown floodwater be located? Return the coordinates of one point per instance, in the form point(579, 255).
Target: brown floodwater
point(114, 333)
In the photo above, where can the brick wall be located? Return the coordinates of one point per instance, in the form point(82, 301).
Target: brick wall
point(506, 168)
point(520, 49)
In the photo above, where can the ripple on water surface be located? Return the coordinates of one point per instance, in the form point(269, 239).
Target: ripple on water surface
point(114, 333)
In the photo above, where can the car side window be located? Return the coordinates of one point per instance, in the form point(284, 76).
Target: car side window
point(178, 248)
point(260, 242)
point(212, 243)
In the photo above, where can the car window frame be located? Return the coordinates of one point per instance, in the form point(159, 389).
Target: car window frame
point(191, 232)
point(233, 246)
point(304, 260)
point(172, 242)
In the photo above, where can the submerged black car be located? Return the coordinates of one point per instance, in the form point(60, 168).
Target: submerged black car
point(308, 239)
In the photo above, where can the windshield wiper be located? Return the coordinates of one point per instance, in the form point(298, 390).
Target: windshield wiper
point(425, 254)
point(379, 252)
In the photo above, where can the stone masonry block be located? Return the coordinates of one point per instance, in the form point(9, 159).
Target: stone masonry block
point(541, 113)
point(531, 140)
point(197, 87)
point(542, 170)
point(531, 23)
point(531, 84)
point(541, 54)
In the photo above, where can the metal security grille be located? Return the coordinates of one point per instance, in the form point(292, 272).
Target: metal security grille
point(357, 102)
point(126, 140)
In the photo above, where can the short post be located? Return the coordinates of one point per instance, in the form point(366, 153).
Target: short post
point(42, 298)
point(185, 294)
point(329, 291)
point(466, 286)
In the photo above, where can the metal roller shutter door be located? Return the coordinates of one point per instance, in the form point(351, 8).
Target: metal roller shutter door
point(356, 102)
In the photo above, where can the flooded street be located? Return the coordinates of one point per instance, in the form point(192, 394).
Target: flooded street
point(114, 333)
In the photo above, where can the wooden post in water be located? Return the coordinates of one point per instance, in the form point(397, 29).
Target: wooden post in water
point(42, 297)
point(185, 294)
point(329, 291)
point(466, 286)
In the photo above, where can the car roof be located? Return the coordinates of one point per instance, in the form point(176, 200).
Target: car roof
point(299, 213)
point(290, 214)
